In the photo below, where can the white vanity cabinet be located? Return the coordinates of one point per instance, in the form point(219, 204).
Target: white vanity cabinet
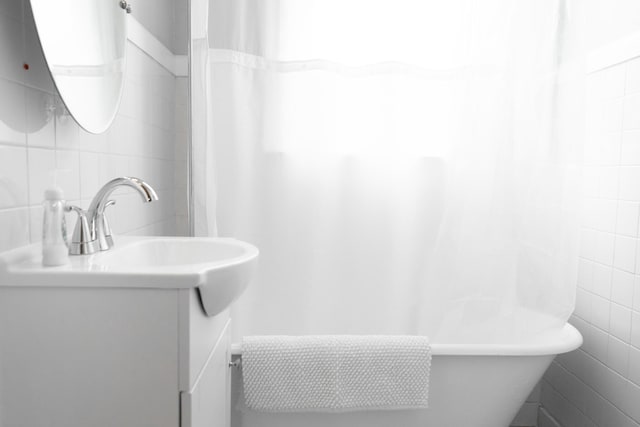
point(205, 394)
point(207, 403)
point(111, 357)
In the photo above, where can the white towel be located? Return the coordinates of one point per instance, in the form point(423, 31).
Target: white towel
point(335, 373)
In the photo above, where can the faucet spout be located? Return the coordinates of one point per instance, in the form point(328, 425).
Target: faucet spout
point(150, 193)
point(99, 202)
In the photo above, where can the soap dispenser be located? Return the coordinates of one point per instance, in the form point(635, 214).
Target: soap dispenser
point(55, 250)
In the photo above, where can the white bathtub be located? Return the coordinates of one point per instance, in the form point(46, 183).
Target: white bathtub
point(473, 385)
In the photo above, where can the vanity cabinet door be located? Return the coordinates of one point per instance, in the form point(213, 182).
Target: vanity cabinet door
point(207, 404)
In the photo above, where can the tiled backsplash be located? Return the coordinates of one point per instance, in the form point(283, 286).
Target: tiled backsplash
point(599, 385)
point(34, 141)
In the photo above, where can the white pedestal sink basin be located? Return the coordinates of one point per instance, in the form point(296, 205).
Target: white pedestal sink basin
point(219, 268)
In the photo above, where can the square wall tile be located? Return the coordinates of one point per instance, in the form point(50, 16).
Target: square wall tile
point(68, 173)
point(630, 151)
point(622, 288)
point(122, 136)
point(13, 177)
point(609, 177)
point(610, 146)
point(625, 253)
point(602, 279)
point(592, 370)
point(612, 385)
point(631, 114)
point(636, 293)
point(92, 142)
point(631, 406)
point(627, 216)
point(630, 142)
point(591, 148)
point(36, 219)
point(588, 243)
point(620, 322)
point(610, 83)
point(634, 365)
point(42, 163)
point(601, 308)
point(585, 267)
point(604, 250)
point(14, 224)
point(583, 304)
point(604, 213)
point(107, 167)
point(612, 117)
point(635, 329)
point(89, 175)
point(633, 76)
point(630, 183)
point(590, 179)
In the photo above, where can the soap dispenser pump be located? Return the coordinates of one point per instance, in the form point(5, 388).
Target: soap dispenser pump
point(55, 250)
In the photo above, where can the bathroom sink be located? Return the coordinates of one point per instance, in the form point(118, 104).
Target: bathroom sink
point(172, 252)
point(219, 268)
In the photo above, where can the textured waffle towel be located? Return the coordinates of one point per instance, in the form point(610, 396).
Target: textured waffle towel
point(335, 373)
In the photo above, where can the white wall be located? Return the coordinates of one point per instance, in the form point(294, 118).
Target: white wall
point(166, 20)
point(599, 385)
point(33, 142)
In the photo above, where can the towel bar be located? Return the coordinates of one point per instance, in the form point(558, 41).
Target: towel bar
point(235, 356)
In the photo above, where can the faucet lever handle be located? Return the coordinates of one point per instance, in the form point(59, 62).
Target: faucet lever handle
point(82, 242)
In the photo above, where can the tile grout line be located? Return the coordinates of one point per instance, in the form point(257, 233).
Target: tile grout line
point(592, 389)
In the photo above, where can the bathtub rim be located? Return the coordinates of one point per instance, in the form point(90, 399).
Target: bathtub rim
point(551, 342)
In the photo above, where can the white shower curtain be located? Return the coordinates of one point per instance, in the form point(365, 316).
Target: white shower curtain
point(404, 166)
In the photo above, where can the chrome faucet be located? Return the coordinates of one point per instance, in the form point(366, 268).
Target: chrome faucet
point(92, 232)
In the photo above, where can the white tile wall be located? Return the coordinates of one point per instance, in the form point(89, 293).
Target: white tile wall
point(33, 142)
point(599, 385)
point(166, 20)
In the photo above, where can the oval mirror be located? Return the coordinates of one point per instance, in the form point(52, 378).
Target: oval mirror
point(84, 45)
